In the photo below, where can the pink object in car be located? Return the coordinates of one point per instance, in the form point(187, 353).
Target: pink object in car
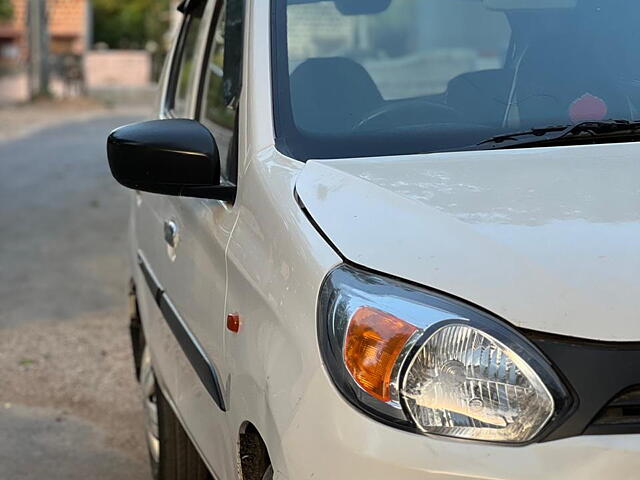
point(588, 108)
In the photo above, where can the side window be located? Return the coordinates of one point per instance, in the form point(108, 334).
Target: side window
point(219, 109)
point(185, 61)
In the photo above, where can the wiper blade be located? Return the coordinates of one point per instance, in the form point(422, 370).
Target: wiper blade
point(560, 134)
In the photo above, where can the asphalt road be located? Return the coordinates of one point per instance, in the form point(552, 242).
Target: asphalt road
point(68, 402)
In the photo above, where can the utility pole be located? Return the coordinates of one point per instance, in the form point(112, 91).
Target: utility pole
point(38, 49)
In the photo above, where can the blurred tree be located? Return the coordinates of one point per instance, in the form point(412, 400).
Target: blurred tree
point(6, 10)
point(136, 24)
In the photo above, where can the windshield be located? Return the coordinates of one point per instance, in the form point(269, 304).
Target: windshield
point(359, 78)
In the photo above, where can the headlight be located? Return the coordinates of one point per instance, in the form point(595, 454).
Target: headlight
point(427, 363)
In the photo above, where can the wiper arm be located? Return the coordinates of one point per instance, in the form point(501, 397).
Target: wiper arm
point(561, 134)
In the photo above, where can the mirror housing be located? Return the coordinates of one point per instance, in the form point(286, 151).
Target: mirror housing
point(529, 4)
point(171, 157)
point(358, 7)
point(353, 7)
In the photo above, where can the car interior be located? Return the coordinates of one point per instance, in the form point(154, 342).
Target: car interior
point(556, 68)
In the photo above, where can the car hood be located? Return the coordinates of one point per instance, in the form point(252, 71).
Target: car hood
point(547, 238)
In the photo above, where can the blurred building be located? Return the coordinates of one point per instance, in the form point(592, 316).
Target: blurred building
point(70, 25)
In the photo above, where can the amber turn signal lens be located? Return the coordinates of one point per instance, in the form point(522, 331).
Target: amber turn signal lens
point(373, 344)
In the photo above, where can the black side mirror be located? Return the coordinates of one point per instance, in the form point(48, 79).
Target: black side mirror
point(170, 157)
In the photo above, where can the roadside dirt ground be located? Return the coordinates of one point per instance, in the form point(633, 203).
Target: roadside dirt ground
point(20, 120)
point(69, 405)
point(80, 367)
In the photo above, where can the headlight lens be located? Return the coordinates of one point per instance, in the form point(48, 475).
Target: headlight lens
point(465, 383)
point(423, 362)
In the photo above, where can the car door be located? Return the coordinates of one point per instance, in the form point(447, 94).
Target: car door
point(151, 224)
point(198, 233)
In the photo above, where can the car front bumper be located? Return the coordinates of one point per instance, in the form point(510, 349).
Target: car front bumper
point(327, 439)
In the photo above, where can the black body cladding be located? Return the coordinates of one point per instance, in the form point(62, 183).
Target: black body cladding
point(193, 351)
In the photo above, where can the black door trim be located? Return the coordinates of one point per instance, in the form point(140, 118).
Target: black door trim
point(190, 346)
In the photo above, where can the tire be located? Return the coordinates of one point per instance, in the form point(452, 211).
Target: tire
point(179, 459)
point(268, 475)
point(150, 399)
point(171, 453)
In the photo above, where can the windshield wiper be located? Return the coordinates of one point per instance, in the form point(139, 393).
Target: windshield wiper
point(584, 132)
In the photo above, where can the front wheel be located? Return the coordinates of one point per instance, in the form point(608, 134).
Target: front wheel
point(150, 393)
point(171, 453)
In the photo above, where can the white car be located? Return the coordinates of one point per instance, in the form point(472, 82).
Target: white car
point(390, 239)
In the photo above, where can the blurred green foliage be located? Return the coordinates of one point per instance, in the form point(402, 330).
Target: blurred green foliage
point(6, 10)
point(133, 24)
point(130, 23)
